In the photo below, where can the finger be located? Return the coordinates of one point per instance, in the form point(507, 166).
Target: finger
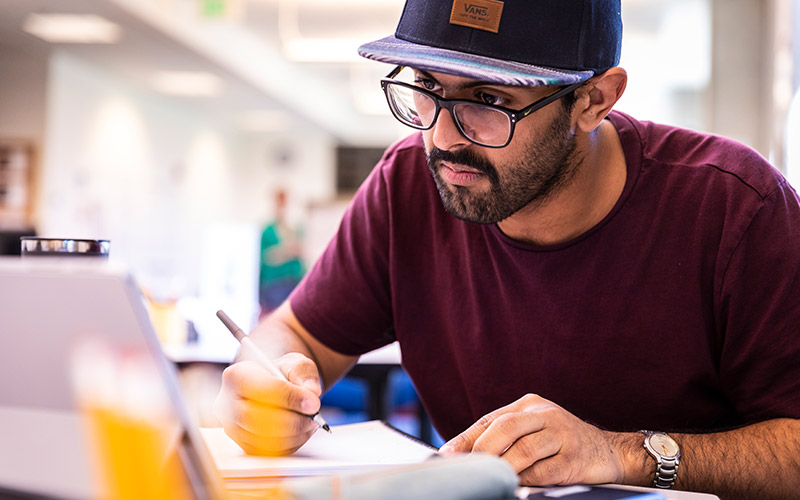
point(300, 370)
point(248, 380)
point(555, 470)
point(506, 429)
point(262, 429)
point(256, 444)
point(531, 449)
point(463, 442)
point(268, 420)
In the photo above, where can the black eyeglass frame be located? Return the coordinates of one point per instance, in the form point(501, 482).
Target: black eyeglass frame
point(513, 115)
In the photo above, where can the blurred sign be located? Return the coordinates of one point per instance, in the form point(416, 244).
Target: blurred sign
point(220, 9)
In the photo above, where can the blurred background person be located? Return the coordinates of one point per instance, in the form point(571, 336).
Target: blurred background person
point(281, 258)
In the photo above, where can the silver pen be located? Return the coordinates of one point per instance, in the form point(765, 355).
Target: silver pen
point(263, 359)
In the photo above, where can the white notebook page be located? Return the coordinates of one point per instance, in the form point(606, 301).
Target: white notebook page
point(359, 446)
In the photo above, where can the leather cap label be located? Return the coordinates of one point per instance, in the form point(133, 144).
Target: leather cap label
point(478, 14)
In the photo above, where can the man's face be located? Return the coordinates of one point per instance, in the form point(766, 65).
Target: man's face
point(486, 185)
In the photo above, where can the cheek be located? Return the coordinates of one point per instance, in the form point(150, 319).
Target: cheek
point(427, 139)
point(529, 129)
point(507, 155)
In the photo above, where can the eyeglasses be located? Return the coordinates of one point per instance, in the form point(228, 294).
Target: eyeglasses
point(482, 124)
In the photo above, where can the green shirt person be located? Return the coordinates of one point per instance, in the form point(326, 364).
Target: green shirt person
point(281, 266)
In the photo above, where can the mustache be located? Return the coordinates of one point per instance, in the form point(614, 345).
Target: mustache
point(465, 157)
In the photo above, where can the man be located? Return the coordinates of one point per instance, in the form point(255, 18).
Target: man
point(558, 276)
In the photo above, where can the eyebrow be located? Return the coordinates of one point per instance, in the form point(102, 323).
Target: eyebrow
point(469, 84)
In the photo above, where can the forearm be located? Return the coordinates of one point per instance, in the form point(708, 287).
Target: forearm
point(757, 461)
point(281, 333)
point(275, 337)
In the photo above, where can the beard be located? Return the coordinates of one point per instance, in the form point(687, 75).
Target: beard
point(545, 166)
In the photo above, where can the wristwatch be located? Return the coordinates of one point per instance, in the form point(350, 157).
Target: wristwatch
point(667, 454)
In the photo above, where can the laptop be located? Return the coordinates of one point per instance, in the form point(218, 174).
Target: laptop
point(47, 307)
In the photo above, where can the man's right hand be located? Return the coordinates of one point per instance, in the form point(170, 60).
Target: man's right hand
point(264, 414)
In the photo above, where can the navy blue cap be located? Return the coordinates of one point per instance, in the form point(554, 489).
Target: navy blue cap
point(513, 42)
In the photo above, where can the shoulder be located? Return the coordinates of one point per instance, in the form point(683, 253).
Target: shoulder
point(695, 155)
point(399, 187)
point(402, 172)
point(407, 151)
point(400, 193)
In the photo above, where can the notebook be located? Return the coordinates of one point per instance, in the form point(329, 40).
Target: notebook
point(361, 446)
point(46, 308)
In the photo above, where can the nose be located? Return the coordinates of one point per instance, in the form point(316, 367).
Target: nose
point(445, 134)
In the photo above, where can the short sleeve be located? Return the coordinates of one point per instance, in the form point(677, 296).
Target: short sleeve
point(760, 312)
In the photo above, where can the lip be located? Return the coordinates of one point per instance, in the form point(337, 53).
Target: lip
point(460, 175)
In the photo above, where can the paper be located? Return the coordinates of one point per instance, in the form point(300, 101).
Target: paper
point(353, 447)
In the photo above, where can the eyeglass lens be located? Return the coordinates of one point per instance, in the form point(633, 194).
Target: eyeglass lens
point(478, 123)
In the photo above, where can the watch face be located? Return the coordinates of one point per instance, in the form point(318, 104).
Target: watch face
point(664, 445)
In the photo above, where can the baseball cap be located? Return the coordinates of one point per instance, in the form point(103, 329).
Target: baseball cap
point(512, 42)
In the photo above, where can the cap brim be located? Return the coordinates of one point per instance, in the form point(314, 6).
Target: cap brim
point(396, 51)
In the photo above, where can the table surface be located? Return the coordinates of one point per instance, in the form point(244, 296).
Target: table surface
point(208, 353)
point(668, 494)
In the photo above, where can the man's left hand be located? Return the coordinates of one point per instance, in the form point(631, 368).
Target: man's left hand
point(545, 444)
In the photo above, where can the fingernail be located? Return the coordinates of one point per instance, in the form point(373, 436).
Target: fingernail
point(447, 450)
point(308, 406)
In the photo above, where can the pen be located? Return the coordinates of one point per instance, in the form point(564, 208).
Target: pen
point(262, 358)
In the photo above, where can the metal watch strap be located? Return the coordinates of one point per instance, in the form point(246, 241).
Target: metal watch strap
point(666, 466)
point(666, 473)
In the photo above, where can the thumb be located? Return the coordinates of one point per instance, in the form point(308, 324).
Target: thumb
point(301, 370)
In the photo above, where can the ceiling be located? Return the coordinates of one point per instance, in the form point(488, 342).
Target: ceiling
point(249, 44)
point(246, 43)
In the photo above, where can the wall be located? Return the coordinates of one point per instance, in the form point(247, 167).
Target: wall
point(792, 131)
point(156, 174)
point(742, 71)
point(666, 50)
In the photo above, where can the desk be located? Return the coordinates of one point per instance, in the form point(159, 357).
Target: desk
point(383, 460)
point(668, 494)
point(224, 353)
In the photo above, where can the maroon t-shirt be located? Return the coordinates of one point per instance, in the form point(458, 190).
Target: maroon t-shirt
point(679, 311)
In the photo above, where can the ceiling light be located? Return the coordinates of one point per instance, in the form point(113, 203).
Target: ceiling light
point(322, 49)
point(72, 28)
point(187, 83)
point(263, 120)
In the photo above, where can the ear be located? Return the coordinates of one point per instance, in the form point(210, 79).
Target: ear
point(601, 93)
